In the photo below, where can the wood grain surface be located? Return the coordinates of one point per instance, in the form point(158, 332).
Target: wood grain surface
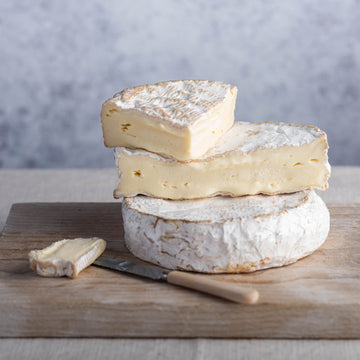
point(317, 297)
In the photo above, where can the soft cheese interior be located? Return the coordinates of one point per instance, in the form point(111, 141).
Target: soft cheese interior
point(268, 158)
point(66, 257)
point(183, 127)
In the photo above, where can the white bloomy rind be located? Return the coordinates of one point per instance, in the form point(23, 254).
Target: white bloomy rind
point(223, 234)
point(180, 103)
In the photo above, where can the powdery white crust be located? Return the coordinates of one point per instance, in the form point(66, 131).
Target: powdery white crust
point(226, 235)
point(179, 102)
point(246, 137)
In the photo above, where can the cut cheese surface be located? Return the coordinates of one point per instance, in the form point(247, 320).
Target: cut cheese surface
point(180, 119)
point(267, 158)
point(66, 257)
point(224, 234)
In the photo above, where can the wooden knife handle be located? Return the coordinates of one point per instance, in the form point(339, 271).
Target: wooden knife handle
point(214, 287)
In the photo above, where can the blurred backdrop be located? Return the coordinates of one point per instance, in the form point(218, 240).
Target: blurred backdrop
point(292, 61)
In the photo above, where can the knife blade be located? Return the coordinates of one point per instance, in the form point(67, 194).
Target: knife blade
point(202, 283)
point(148, 271)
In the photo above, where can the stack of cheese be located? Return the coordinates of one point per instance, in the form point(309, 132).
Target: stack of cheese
point(186, 171)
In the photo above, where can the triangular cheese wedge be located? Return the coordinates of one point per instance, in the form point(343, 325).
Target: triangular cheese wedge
point(181, 119)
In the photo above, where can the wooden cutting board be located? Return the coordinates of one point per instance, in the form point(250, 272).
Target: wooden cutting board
point(317, 297)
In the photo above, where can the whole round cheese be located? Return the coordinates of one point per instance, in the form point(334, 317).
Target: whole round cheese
point(224, 234)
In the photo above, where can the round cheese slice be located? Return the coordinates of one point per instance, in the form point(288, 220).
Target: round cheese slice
point(224, 234)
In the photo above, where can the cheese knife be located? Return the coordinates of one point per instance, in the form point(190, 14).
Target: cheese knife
point(197, 282)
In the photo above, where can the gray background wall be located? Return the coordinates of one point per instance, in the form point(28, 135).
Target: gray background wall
point(293, 61)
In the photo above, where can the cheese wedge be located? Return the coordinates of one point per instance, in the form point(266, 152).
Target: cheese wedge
point(180, 119)
point(224, 234)
point(66, 257)
point(268, 158)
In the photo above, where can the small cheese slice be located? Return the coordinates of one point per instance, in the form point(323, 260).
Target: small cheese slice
point(181, 119)
point(268, 158)
point(66, 257)
point(224, 234)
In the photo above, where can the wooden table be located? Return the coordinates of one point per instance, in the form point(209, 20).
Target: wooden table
point(96, 185)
